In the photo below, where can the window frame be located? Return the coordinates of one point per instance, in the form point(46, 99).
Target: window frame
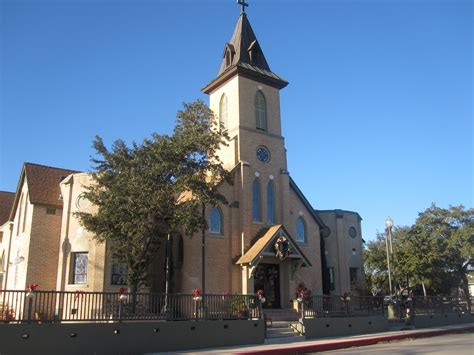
point(305, 233)
point(332, 279)
point(121, 276)
point(271, 206)
point(223, 120)
point(220, 232)
point(260, 111)
point(73, 274)
point(256, 201)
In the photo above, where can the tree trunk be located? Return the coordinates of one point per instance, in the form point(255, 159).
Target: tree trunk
point(424, 287)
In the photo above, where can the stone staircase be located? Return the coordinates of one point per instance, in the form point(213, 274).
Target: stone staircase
point(281, 324)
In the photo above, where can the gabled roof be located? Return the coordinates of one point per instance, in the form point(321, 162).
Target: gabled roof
point(6, 203)
point(246, 58)
point(266, 240)
point(324, 230)
point(43, 184)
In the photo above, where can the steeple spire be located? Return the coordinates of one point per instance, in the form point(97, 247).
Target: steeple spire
point(244, 55)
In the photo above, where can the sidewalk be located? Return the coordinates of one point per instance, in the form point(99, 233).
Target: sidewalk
point(300, 345)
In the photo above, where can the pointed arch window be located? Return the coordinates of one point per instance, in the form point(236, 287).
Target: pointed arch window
point(270, 203)
point(223, 112)
point(300, 228)
point(215, 221)
point(260, 111)
point(256, 205)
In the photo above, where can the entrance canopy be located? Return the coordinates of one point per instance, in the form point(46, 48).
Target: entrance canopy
point(276, 242)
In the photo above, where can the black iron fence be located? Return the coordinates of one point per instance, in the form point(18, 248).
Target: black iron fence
point(60, 306)
point(437, 305)
point(341, 306)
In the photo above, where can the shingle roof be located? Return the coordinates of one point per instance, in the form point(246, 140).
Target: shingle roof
point(242, 42)
point(43, 184)
point(259, 246)
point(247, 58)
point(6, 202)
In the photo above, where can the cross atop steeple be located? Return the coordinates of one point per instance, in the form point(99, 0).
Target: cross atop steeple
point(243, 4)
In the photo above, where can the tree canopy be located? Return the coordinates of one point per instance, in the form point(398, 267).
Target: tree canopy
point(138, 189)
point(434, 253)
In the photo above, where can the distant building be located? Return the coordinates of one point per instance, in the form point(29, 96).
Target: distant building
point(269, 237)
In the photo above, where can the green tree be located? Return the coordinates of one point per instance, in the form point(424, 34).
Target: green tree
point(144, 191)
point(444, 245)
point(375, 261)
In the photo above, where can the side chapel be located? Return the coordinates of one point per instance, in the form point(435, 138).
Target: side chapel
point(268, 237)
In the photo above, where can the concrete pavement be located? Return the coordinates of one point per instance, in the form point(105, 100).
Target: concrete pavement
point(449, 344)
point(298, 345)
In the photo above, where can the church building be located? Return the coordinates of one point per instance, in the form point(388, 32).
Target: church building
point(268, 237)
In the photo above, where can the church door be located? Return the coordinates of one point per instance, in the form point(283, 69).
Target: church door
point(267, 278)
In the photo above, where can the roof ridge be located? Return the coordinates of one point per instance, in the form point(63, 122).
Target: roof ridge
point(8, 192)
point(49, 166)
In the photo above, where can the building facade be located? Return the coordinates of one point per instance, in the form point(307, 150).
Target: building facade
point(268, 237)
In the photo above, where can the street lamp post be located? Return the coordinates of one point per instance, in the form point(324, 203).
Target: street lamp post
point(389, 225)
point(388, 265)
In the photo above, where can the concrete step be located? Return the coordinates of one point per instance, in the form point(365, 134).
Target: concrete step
point(281, 333)
point(285, 314)
point(280, 324)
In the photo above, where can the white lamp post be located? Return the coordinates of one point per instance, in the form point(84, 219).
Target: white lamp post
point(389, 249)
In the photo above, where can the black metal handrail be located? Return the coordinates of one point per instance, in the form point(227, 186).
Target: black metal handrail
point(340, 306)
point(438, 305)
point(65, 306)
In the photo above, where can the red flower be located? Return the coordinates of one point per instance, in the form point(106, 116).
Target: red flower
point(32, 287)
point(78, 294)
point(305, 293)
point(123, 290)
point(260, 293)
point(197, 292)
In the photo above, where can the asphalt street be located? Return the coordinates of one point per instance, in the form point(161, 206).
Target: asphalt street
point(450, 344)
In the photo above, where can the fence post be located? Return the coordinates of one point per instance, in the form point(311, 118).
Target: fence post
point(30, 306)
point(120, 311)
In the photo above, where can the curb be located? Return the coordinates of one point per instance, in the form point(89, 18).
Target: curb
point(335, 345)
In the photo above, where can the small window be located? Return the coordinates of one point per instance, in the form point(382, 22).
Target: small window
point(260, 111)
point(24, 215)
point(352, 232)
point(270, 203)
point(79, 268)
point(119, 273)
point(353, 275)
point(223, 112)
point(300, 230)
point(332, 284)
point(215, 223)
point(256, 206)
point(19, 216)
point(51, 211)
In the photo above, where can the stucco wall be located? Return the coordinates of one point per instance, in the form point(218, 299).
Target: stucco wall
point(328, 327)
point(426, 321)
point(127, 338)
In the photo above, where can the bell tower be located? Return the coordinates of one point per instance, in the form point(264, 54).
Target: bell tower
point(246, 101)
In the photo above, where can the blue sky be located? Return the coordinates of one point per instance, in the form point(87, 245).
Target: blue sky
point(377, 118)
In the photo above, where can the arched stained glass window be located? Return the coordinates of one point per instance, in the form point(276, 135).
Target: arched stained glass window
point(256, 208)
point(223, 112)
point(260, 111)
point(270, 203)
point(300, 228)
point(215, 222)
